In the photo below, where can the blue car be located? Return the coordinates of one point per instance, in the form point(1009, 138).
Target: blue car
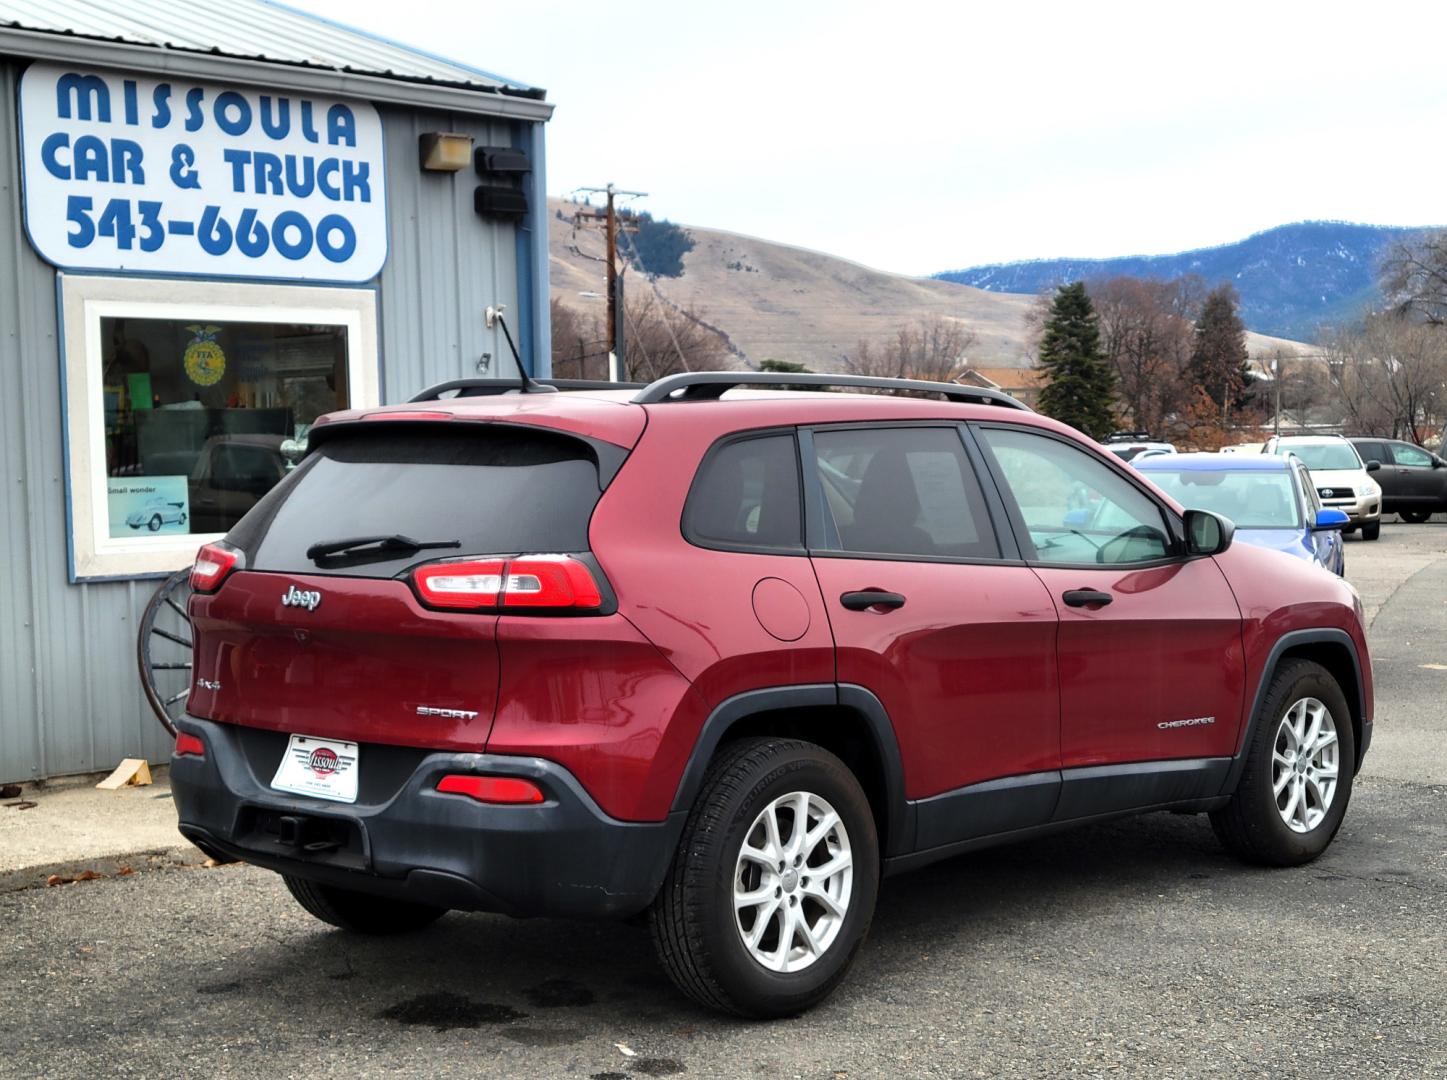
point(1271, 499)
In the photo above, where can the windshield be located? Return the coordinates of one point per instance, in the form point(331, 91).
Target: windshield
point(1320, 456)
point(1253, 500)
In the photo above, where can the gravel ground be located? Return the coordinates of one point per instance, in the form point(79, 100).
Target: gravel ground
point(1135, 948)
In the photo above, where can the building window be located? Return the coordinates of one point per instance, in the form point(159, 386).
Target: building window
point(187, 401)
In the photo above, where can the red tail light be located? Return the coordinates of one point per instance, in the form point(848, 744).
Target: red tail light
point(189, 744)
point(492, 789)
point(555, 582)
point(462, 583)
point(213, 563)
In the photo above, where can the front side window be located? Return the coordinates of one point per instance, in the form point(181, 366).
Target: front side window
point(746, 495)
point(1411, 456)
point(1076, 509)
point(1311, 500)
point(902, 491)
point(186, 402)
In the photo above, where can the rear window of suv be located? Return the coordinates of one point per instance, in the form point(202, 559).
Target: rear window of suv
point(494, 489)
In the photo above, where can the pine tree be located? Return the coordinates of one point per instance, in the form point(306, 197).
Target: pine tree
point(1218, 362)
point(1082, 385)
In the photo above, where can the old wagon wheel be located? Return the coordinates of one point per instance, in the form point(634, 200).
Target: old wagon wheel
point(163, 649)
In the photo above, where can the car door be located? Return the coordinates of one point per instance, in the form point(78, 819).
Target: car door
point(1151, 664)
point(1388, 477)
point(1417, 476)
point(935, 614)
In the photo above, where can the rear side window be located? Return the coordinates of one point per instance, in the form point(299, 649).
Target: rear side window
point(902, 491)
point(494, 490)
point(746, 495)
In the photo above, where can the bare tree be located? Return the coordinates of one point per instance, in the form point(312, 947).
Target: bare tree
point(1390, 374)
point(662, 338)
point(1146, 335)
point(933, 349)
point(659, 339)
point(580, 346)
point(1414, 277)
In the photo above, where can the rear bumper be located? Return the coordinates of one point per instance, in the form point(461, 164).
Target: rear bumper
point(404, 839)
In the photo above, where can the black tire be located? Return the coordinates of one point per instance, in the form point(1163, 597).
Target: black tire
point(359, 912)
point(1250, 825)
point(698, 939)
point(1372, 529)
point(1415, 517)
point(154, 523)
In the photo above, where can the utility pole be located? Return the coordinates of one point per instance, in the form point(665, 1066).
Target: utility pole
point(617, 367)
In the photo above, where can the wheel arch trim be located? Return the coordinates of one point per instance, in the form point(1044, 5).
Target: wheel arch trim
point(898, 813)
point(1292, 639)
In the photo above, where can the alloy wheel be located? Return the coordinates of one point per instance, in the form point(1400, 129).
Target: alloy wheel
point(1305, 764)
point(792, 882)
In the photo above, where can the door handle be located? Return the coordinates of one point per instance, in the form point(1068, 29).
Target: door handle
point(1086, 597)
point(865, 599)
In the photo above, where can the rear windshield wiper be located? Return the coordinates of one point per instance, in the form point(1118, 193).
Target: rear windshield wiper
point(373, 545)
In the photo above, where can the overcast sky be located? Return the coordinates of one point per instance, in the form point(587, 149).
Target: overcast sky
point(920, 137)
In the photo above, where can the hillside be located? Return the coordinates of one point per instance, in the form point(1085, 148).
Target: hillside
point(775, 301)
point(1292, 279)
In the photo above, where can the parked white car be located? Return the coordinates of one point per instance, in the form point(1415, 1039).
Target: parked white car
point(1128, 445)
point(157, 512)
point(1340, 475)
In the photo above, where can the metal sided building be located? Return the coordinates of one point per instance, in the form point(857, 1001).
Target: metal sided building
point(218, 220)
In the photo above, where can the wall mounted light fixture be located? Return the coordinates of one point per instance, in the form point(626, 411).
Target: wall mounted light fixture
point(444, 151)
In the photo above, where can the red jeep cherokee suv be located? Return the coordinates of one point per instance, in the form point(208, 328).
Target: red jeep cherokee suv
point(729, 656)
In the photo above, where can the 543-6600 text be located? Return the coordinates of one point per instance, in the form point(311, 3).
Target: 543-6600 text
point(143, 225)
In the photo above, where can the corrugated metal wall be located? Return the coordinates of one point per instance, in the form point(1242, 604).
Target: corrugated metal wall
point(69, 692)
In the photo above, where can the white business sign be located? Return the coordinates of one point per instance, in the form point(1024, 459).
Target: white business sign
point(175, 177)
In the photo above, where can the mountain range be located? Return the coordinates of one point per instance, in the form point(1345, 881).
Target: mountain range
point(1292, 279)
point(775, 301)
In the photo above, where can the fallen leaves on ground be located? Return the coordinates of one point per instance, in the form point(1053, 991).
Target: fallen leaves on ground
point(70, 879)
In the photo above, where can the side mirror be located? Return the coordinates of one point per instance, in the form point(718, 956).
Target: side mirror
point(1437, 462)
point(1373, 466)
point(1329, 518)
point(1208, 533)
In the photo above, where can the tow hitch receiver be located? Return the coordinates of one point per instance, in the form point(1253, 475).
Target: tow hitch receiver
point(293, 830)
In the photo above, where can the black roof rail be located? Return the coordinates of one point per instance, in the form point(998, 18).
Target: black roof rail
point(484, 387)
point(711, 385)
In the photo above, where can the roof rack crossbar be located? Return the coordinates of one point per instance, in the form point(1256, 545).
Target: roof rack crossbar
point(485, 387)
point(711, 385)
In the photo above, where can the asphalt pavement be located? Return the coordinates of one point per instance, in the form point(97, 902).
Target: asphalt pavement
point(1136, 948)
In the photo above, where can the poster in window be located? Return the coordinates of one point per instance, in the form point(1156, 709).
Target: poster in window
point(148, 505)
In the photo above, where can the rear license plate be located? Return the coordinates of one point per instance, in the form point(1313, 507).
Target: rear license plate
point(321, 768)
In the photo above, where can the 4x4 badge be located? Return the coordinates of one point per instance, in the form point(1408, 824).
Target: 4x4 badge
point(307, 598)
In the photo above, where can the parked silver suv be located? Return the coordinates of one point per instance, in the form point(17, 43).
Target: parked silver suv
point(1341, 477)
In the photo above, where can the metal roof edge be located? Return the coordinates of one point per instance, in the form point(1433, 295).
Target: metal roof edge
point(418, 93)
point(514, 84)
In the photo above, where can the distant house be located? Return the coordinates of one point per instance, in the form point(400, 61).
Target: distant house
point(1024, 384)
